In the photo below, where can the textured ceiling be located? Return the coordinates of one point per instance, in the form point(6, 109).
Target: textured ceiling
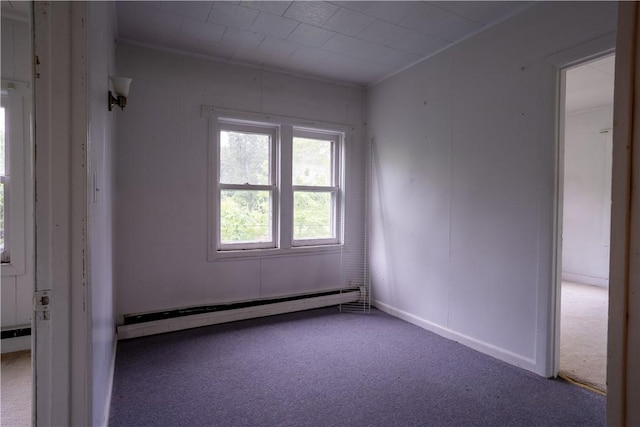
point(17, 10)
point(357, 42)
point(590, 86)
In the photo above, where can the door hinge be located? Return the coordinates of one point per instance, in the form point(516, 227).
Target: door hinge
point(42, 304)
point(36, 62)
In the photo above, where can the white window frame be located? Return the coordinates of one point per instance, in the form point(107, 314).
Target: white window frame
point(262, 129)
point(16, 99)
point(335, 189)
point(283, 192)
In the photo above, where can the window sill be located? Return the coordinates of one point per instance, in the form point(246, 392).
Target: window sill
point(216, 255)
point(11, 269)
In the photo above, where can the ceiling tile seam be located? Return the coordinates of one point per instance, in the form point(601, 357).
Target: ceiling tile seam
point(254, 19)
point(364, 12)
point(322, 47)
point(334, 31)
point(397, 24)
point(454, 43)
point(510, 14)
point(209, 13)
point(291, 32)
point(287, 9)
point(435, 40)
point(336, 11)
point(231, 61)
point(456, 14)
point(367, 27)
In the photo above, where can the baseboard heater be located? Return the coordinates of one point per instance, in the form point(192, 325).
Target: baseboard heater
point(139, 325)
point(15, 333)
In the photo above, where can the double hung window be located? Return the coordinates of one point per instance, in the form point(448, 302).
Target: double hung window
point(246, 186)
point(4, 181)
point(278, 187)
point(316, 190)
point(15, 167)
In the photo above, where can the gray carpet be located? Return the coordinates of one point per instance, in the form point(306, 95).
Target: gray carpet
point(324, 368)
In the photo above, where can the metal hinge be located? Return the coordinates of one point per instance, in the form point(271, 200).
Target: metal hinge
point(42, 304)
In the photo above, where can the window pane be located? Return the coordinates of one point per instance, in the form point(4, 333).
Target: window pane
point(313, 215)
point(1, 217)
point(2, 145)
point(244, 158)
point(2, 173)
point(312, 162)
point(245, 216)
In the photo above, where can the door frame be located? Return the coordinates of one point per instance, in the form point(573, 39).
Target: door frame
point(548, 295)
point(559, 199)
point(62, 380)
point(623, 367)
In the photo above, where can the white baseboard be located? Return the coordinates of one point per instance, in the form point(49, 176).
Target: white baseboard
point(10, 345)
point(112, 370)
point(481, 346)
point(194, 321)
point(587, 280)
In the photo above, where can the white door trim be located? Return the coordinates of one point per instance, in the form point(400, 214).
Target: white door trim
point(61, 344)
point(623, 358)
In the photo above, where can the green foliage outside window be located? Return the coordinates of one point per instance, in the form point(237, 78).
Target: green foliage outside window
point(244, 158)
point(2, 172)
point(245, 215)
point(312, 166)
point(312, 215)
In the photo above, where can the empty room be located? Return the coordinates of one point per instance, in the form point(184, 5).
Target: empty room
point(312, 213)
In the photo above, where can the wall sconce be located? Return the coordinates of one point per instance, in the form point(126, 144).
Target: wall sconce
point(121, 90)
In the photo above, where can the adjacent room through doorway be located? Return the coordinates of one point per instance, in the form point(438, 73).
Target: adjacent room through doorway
point(586, 221)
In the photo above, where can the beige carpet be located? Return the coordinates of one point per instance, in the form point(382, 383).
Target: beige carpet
point(583, 334)
point(15, 394)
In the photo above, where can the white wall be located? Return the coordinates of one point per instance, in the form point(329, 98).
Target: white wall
point(17, 289)
point(161, 180)
point(587, 197)
point(464, 184)
point(101, 63)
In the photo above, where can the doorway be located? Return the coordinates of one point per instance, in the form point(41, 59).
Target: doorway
point(16, 215)
point(586, 144)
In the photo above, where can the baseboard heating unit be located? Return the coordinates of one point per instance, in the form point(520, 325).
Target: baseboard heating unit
point(138, 325)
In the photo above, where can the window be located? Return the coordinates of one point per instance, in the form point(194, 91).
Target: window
point(278, 187)
point(15, 170)
point(4, 200)
point(246, 187)
point(316, 190)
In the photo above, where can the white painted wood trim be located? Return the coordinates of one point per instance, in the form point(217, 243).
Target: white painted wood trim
point(206, 319)
point(211, 111)
point(62, 376)
point(9, 345)
point(481, 346)
point(548, 353)
point(623, 378)
point(51, 387)
point(623, 352)
point(81, 354)
point(584, 52)
point(112, 369)
point(602, 282)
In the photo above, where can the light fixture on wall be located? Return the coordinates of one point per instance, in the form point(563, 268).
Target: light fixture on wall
point(121, 90)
